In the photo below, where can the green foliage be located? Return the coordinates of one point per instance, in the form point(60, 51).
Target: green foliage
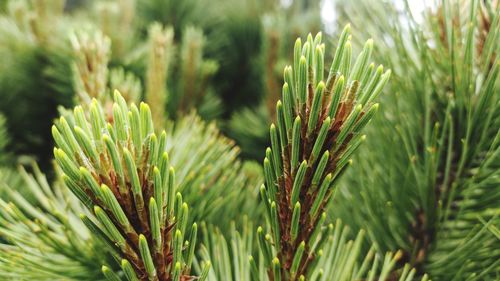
point(31, 62)
point(121, 172)
point(422, 195)
point(236, 42)
point(280, 25)
point(4, 141)
point(159, 57)
point(249, 127)
point(209, 174)
point(208, 170)
point(229, 253)
point(338, 260)
point(436, 195)
point(170, 12)
point(318, 129)
point(166, 67)
point(194, 67)
point(118, 21)
point(8, 175)
point(92, 51)
point(42, 237)
point(217, 184)
point(126, 83)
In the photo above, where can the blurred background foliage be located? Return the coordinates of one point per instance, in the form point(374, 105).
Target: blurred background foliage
point(235, 49)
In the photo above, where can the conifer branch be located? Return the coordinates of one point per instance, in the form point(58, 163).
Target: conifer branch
point(116, 20)
point(318, 128)
point(42, 237)
point(118, 168)
point(194, 67)
point(160, 52)
point(445, 98)
point(340, 259)
point(92, 54)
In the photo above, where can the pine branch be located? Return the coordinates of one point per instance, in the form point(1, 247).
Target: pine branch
point(92, 52)
point(117, 19)
point(42, 237)
point(343, 259)
point(208, 175)
point(445, 111)
point(194, 67)
point(120, 171)
point(172, 13)
point(160, 52)
point(229, 253)
point(339, 259)
point(318, 130)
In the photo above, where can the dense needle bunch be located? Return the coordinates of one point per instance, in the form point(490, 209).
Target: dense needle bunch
point(208, 172)
point(160, 45)
point(92, 52)
point(318, 129)
point(118, 167)
point(42, 237)
point(437, 194)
